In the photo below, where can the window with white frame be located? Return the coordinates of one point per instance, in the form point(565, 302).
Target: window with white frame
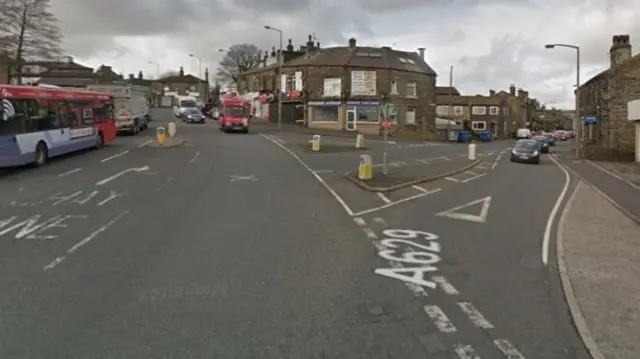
point(442, 110)
point(458, 111)
point(479, 110)
point(412, 89)
point(478, 125)
point(394, 87)
point(494, 110)
point(410, 116)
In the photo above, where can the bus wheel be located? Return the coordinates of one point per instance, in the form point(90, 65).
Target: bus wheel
point(100, 140)
point(42, 155)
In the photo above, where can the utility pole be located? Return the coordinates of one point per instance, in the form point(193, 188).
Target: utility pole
point(450, 104)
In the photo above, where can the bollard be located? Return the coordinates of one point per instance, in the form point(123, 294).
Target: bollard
point(160, 135)
point(365, 168)
point(171, 129)
point(472, 151)
point(315, 143)
point(360, 141)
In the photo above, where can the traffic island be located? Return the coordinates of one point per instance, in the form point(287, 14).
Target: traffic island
point(168, 143)
point(410, 175)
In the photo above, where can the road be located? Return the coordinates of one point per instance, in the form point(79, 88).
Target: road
point(230, 247)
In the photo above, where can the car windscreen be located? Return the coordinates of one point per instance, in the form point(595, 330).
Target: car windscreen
point(192, 112)
point(527, 144)
point(235, 111)
point(188, 103)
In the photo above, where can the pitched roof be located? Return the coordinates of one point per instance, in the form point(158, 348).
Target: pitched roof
point(62, 65)
point(446, 90)
point(67, 81)
point(477, 100)
point(368, 57)
point(190, 79)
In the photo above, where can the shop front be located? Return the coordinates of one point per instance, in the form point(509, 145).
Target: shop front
point(362, 116)
point(326, 115)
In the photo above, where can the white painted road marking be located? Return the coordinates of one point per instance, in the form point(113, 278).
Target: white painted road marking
point(440, 319)
point(113, 195)
point(384, 198)
point(451, 179)
point(416, 289)
point(420, 189)
point(465, 352)
point(322, 181)
point(360, 221)
point(546, 238)
point(508, 349)
point(323, 171)
point(473, 178)
point(381, 221)
point(478, 218)
point(370, 234)
point(164, 184)
point(145, 143)
point(83, 242)
point(474, 314)
point(109, 179)
point(115, 156)
point(396, 202)
point(235, 178)
point(495, 163)
point(195, 157)
point(445, 285)
point(70, 172)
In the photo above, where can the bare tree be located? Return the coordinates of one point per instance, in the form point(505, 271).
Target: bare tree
point(29, 31)
point(237, 59)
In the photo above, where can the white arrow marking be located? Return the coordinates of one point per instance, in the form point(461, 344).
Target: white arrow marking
point(129, 170)
point(479, 218)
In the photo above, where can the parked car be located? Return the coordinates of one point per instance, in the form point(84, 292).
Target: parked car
point(527, 151)
point(560, 135)
point(552, 140)
point(192, 115)
point(543, 141)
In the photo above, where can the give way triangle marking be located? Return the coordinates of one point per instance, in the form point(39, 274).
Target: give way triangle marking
point(478, 218)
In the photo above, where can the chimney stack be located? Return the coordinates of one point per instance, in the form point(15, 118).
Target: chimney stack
point(492, 92)
point(131, 77)
point(310, 43)
point(620, 50)
point(352, 43)
point(421, 52)
point(140, 76)
point(206, 74)
point(512, 90)
point(181, 73)
point(290, 46)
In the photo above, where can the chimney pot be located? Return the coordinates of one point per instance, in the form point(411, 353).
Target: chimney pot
point(352, 43)
point(492, 92)
point(421, 52)
point(181, 71)
point(318, 44)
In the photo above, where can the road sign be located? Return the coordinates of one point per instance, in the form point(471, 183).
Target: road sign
point(590, 120)
point(386, 124)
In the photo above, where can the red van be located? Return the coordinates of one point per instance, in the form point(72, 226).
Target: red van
point(235, 115)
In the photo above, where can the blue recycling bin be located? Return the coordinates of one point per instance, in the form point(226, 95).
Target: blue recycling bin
point(485, 136)
point(464, 136)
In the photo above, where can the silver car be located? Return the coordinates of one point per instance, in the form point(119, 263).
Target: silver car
point(193, 116)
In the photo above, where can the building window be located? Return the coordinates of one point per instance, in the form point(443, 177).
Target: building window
point(442, 110)
point(410, 116)
point(325, 114)
point(412, 90)
point(394, 88)
point(479, 125)
point(479, 110)
point(458, 111)
point(366, 113)
point(494, 110)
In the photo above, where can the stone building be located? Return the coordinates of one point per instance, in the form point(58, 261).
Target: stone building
point(181, 84)
point(500, 113)
point(352, 87)
point(605, 96)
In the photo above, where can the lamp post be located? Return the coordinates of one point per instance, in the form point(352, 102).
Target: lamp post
point(577, 122)
point(157, 68)
point(199, 64)
point(450, 104)
point(280, 58)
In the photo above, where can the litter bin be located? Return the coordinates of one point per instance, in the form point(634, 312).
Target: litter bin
point(464, 136)
point(485, 136)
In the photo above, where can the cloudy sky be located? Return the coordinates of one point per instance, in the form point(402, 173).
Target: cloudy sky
point(490, 43)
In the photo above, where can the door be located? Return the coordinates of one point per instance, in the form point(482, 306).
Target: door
point(351, 120)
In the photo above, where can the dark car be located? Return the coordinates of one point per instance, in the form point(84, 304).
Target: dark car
point(552, 140)
point(544, 143)
point(192, 115)
point(527, 151)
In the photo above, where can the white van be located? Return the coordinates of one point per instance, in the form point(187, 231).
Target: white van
point(523, 133)
point(181, 103)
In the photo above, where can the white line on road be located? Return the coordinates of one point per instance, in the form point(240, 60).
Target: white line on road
point(323, 171)
point(322, 181)
point(384, 198)
point(381, 221)
point(144, 144)
point(440, 319)
point(83, 242)
point(465, 352)
point(195, 157)
point(416, 289)
point(113, 195)
point(280, 140)
point(474, 314)
point(370, 233)
point(495, 163)
point(554, 212)
point(70, 172)
point(115, 156)
point(451, 179)
point(473, 178)
point(508, 349)
point(614, 175)
point(109, 179)
point(374, 209)
point(472, 173)
point(359, 221)
point(445, 285)
point(164, 184)
point(423, 190)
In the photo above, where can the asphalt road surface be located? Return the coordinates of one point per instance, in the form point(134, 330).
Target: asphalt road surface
point(229, 247)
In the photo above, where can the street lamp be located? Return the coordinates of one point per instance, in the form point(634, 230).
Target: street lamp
point(280, 58)
point(199, 65)
point(157, 68)
point(577, 124)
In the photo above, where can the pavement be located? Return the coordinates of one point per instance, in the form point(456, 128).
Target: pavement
point(601, 259)
point(252, 246)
